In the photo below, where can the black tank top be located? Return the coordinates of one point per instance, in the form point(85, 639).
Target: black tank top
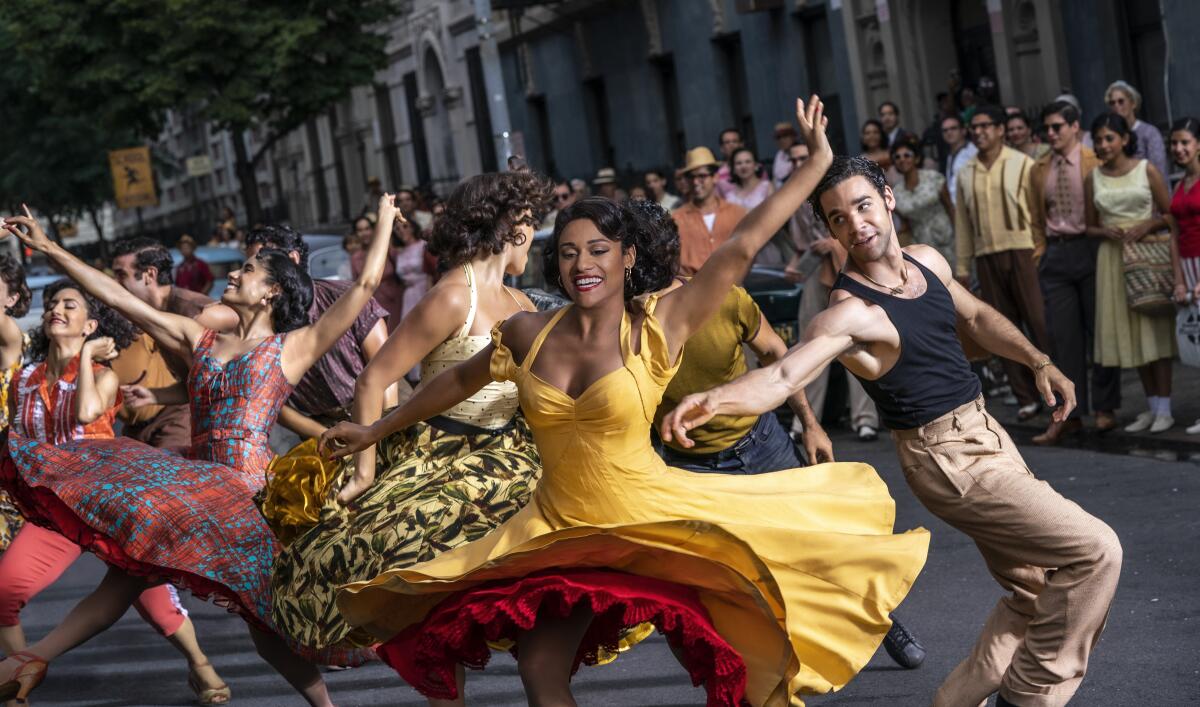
point(931, 377)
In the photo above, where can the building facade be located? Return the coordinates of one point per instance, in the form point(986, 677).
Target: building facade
point(577, 85)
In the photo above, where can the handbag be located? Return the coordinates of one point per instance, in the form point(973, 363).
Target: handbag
point(1149, 277)
point(1187, 334)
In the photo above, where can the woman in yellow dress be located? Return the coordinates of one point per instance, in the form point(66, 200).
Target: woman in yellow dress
point(766, 586)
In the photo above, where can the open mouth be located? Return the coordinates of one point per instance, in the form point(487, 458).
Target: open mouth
point(864, 241)
point(585, 283)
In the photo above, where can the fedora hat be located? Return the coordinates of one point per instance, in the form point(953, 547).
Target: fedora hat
point(606, 175)
point(698, 157)
point(784, 129)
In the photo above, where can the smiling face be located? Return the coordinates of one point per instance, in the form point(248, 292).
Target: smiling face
point(987, 133)
point(702, 184)
point(124, 269)
point(250, 285)
point(1016, 132)
point(1109, 144)
point(66, 316)
point(859, 217)
point(591, 266)
point(1060, 133)
point(904, 159)
point(872, 137)
point(744, 165)
point(1184, 147)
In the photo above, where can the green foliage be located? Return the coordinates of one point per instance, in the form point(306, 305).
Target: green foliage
point(119, 65)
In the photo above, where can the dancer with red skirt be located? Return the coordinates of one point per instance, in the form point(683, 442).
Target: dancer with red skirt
point(155, 517)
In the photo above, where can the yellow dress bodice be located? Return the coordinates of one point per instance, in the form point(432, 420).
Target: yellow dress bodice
point(798, 568)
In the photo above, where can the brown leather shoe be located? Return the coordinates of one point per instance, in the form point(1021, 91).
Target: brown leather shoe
point(1105, 421)
point(1057, 430)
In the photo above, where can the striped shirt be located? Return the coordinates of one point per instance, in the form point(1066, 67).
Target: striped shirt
point(46, 412)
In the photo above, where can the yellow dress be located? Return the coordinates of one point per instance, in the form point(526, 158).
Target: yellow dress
point(798, 569)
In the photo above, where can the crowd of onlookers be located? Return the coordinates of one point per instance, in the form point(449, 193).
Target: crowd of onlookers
point(1069, 227)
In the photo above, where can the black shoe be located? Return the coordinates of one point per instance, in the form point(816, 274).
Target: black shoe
point(902, 646)
point(1001, 702)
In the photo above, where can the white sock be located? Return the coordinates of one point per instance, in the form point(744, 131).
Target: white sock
point(1152, 400)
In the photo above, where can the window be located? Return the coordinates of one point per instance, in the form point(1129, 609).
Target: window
point(416, 126)
point(669, 86)
point(729, 49)
point(541, 127)
point(481, 110)
point(822, 79)
point(596, 99)
point(387, 133)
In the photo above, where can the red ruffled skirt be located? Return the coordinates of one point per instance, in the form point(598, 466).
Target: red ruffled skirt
point(459, 629)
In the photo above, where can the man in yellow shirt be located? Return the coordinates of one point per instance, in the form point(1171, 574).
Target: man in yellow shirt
point(993, 231)
point(754, 444)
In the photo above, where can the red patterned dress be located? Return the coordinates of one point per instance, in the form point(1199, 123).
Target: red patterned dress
point(191, 522)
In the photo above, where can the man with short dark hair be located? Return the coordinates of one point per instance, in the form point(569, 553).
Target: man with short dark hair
point(961, 150)
point(992, 232)
point(656, 186)
point(729, 141)
point(889, 116)
point(563, 197)
point(892, 323)
point(707, 220)
point(781, 167)
point(1066, 260)
point(143, 267)
point(323, 396)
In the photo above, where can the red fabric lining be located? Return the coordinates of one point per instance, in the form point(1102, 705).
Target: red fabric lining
point(42, 507)
point(459, 628)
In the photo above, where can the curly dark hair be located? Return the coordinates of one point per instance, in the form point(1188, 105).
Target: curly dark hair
point(840, 170)
point(13, 274)
point(883, 136)
point(108, 321)
point(643, 225)
point(290, 309)
point(283, 238)
point(483, 213)
point(1117, 124)
point(150, 254)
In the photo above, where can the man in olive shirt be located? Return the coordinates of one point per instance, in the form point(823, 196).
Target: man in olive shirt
point(750, 445)
point(993, 231)
point(143, 267)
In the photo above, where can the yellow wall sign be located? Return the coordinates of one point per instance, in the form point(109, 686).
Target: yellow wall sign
point(133, 178)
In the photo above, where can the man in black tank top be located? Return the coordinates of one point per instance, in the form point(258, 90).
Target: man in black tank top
point(892, 322)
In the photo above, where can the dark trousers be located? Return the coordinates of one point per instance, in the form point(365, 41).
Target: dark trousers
point(766, 447)
point(169, 430)
point(1068, 276)
point(1008, 281)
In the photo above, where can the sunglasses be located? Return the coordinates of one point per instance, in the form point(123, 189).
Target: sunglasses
point(1118, 101)
point(904, 155)
point(699, 176)
point(561, 196)
point(1055, 127)
point(983, 126)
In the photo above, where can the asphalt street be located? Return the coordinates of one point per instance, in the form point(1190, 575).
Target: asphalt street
point(1149, 655)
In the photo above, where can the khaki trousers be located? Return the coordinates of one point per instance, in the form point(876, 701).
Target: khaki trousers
point(1060, 563)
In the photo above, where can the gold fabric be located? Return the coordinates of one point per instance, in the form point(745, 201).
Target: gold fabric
point(798, 569)
point(299, 484)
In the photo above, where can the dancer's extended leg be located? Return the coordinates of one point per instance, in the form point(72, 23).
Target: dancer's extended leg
point(545, 656)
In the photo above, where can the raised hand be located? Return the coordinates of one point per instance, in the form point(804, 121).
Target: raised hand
point(28, 230)
point(813, 123)
point(387, 208)
point(102, 349)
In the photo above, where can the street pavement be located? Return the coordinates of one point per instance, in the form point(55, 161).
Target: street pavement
point(1149, 655)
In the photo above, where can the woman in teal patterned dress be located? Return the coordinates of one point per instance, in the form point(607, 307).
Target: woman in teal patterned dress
point(440, 484)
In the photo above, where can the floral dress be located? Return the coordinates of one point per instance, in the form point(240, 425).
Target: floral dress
point(922, 207)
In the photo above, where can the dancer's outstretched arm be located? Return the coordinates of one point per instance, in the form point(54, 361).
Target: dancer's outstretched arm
point(432, 321)
point(446, 390)
point(304, 346)
point(684, 310)
point(174, 333)
point(769, 348)
point(830, 334)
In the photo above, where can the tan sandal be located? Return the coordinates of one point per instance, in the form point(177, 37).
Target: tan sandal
point(208, 695)
point(28, 676)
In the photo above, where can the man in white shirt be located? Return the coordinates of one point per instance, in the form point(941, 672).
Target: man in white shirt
point(781, 168)
point(961, 151)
